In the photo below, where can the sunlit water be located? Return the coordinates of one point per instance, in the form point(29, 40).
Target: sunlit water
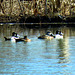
point(38, 57)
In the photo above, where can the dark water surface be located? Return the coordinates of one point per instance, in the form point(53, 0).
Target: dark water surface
point(38, 57)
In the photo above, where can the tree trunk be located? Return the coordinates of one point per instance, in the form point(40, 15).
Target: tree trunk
point(57, 3)
point(20, 6)
point(11, 6)
point(1, 6)
point(53, 5)
point(45, 7)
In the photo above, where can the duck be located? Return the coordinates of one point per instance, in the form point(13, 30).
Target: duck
point(49, 35)
point(13, 38)
point(59, 35)
point(25, 39)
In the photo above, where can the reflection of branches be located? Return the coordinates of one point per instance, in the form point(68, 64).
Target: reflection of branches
point(63, 51)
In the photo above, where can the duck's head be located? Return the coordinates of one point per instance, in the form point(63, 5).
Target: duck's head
point(59, 32)
point(25, 37)
point(14, 34)
point(48, 32)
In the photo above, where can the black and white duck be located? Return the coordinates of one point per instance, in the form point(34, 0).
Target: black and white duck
point(59, 35)
point(13, 37)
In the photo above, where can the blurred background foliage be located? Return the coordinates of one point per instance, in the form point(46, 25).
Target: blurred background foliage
point(37, 7)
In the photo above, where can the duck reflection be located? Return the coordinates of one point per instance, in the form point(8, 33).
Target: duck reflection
point(63, 50)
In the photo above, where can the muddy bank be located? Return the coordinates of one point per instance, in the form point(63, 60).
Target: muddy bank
point(46, 19)
point(36, 19)
point(9, 19)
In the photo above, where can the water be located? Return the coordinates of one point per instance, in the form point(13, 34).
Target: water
point(38, 57)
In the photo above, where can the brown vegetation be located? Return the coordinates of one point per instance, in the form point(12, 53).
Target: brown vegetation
point(37, 7)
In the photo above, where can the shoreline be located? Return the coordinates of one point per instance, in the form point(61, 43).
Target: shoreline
point(40, 25)
point(34, 21)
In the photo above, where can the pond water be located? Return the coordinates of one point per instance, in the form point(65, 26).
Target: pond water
point(38, 57)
